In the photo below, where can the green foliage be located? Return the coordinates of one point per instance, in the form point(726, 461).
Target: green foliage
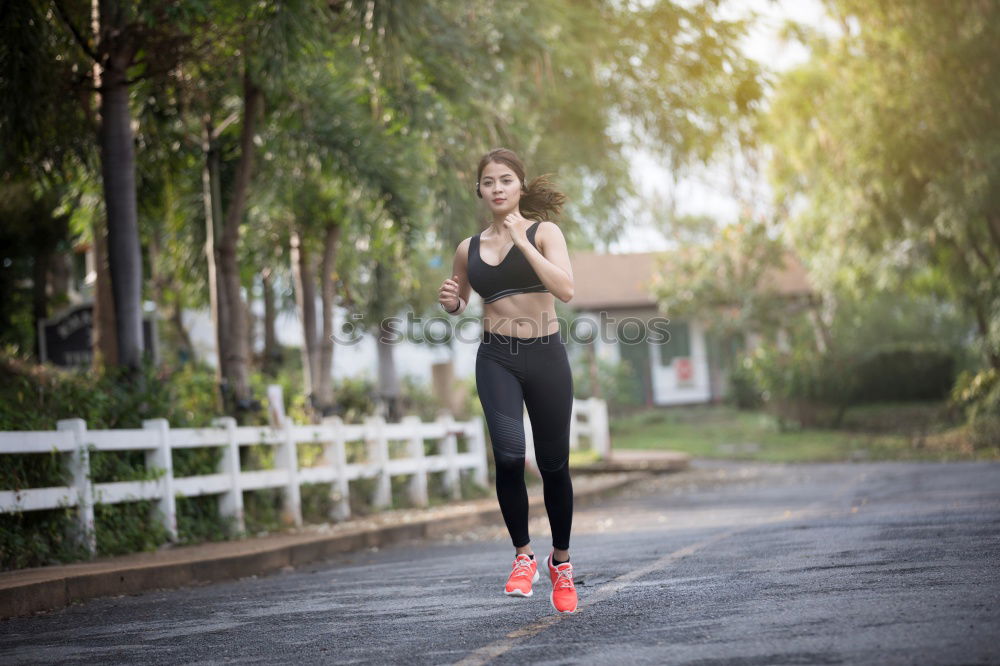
point(198, 520)
point(889, 135)
point(813, 389)
point(108, 466)
point(317, 503)
point(196, 461)
point(803, 387)
point(262, 510)
point(744, 392)
point(904, 372)
point(979, 395)
point(727, 283)
point(360, 493)
point(420, 399)
point(38, 538)
point(355, 398)
point(33, 470)
point(34, 397)
point(128, 527)
point(616, 380)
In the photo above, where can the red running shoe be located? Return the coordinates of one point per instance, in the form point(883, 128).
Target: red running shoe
point(563, 595)
point(522, 575)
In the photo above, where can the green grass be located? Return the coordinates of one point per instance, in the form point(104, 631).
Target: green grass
point(725, 432)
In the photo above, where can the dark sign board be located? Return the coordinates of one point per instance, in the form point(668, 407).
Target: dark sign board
point(66, 339)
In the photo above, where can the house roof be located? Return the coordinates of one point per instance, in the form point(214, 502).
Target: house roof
point(625, 280)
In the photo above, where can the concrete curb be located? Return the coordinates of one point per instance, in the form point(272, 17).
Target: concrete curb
point(31, 591)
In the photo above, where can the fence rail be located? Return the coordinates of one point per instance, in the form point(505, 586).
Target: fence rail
point(158, 440)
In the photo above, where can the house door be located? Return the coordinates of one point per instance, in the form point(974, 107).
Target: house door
point(637, 355)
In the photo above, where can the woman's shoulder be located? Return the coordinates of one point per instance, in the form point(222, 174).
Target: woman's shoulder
point(547, 229)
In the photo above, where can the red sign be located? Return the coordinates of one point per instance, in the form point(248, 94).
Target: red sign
point(684, 370)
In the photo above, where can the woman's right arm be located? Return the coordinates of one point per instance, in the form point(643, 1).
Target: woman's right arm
point(457, 286)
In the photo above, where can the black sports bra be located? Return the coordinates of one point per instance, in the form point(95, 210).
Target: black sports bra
point(513, 275)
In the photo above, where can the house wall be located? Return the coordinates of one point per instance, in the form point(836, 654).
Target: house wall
point(665, 388)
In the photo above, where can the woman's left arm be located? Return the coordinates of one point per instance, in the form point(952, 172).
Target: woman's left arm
point(552, 262)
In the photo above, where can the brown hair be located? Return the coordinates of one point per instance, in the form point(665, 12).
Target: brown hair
point(539, 199)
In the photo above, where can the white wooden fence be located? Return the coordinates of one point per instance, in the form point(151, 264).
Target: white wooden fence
point(158, 440)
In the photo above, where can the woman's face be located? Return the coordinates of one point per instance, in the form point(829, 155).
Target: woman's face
point(500, 187)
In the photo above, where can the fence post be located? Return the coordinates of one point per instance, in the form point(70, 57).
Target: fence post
point(378, 453)
point(418, 482)
point(336, 453)
point(529, 446)
point(574, 425)
point(600, 436)
point(161, 458)
point(449, 449)
point(290, 461)
point(477, 445)
point(80, 463)
point(231, 501)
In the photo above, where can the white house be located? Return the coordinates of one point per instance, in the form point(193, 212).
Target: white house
point(614, 292)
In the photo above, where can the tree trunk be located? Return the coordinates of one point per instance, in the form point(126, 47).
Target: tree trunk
point(388, 380)
point(272, 354)
point(104, 340)
point(324, 372)
point(212, 194)
point(824, 341)
point(39, 295)
point(983, 322)
point(177, 320)
point(118, 170)
point(305, 298)
point(251, 321)
point(233, 348)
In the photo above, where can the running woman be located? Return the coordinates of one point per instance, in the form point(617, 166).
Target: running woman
point(519, 265)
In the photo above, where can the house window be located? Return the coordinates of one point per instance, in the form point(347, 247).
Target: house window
point(679, 344)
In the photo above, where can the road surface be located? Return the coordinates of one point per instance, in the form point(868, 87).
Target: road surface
point(726, 564)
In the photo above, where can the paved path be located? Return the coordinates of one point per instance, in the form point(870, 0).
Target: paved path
point(727, 563)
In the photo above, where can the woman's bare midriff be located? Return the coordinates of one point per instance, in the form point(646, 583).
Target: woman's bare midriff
point(521, 315)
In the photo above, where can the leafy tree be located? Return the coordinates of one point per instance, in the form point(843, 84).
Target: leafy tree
point(891, 134)
point(729, 282)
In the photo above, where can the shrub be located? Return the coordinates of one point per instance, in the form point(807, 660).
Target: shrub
point(906, 372)
point(355, 397)
point(744, 392)
point(127, 528)
point(803, 387)
point(418, 398)
point(979, 395)
point(38, 538)
point(616, 380)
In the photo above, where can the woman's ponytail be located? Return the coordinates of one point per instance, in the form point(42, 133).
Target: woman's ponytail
point(541, 200)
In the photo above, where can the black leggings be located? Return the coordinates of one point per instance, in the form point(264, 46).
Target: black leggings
point(512, 373)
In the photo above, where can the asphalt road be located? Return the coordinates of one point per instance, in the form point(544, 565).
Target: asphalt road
point(728, 564)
